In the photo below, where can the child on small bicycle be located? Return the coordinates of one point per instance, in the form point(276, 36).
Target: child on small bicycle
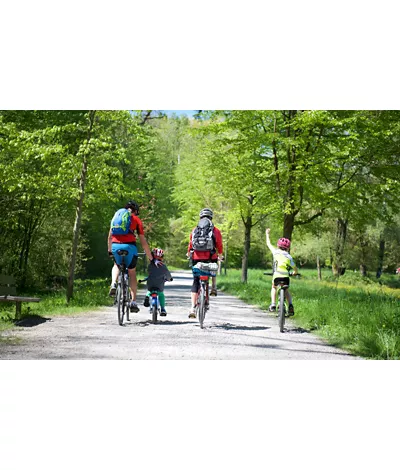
point(282, 265)
point(156, 279)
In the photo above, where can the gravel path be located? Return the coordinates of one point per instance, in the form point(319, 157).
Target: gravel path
point(233, 330)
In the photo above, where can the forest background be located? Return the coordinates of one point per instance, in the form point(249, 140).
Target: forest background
point(328, 180)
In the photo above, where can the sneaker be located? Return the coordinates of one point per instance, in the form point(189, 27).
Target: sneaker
point(146, 301)
point(163, 312)
point(134, 307)
point(291, 310)
point(113, 289)
point(192, 313)
point(272, 308)
point(213, 292)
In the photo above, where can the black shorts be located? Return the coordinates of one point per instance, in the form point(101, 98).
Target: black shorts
point(196, 284)
point(277, 280)
point(133, 262)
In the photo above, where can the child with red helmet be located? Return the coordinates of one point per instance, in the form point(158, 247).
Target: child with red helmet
point(158, 274)
point(283, 264)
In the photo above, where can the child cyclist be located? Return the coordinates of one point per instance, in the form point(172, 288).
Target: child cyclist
point(156, 279)
point(283, 264)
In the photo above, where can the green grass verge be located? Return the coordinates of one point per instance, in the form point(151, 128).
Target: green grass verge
point(359, 315)
point(89, 294)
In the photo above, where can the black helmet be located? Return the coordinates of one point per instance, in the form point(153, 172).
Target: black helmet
point(133, 205)
point(206, 213)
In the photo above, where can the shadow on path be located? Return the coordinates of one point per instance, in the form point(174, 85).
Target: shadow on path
point(297, 330)
point(28, 321)
point(307, 351)
point(159, 322)
point(230, 326)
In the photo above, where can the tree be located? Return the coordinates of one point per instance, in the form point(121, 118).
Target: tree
point(84, 152)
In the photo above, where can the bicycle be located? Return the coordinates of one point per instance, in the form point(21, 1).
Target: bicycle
point(205, 271)
point(281, 309)
point(123, 296)
point(155, 307)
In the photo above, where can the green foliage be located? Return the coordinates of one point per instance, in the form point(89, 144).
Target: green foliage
point(294, 171)
point(41, 154)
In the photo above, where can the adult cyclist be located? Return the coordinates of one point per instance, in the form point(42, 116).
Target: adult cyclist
point(206, 256)
point(283, 264)
point(128, 242)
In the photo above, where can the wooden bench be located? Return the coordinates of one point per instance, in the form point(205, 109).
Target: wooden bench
point(8, 293)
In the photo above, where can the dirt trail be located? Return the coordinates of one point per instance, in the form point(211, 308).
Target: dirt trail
point(233, 330)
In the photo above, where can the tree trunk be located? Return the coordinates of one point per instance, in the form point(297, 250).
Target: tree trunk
point(288, 225)
point(288, 220)
point(78, 216)
point(381, 255)
point(363, 270)
point(364, 246)
point(319, 269)
point(245, 259)
point(337, 254)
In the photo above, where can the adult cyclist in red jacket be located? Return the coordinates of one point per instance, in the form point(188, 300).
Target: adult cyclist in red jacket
point(205, 256)
point(128, 242)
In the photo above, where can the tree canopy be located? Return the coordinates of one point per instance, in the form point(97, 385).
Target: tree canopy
point(328, 180)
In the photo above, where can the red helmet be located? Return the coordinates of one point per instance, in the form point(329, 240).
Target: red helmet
point(284, 243)
point(158, 253)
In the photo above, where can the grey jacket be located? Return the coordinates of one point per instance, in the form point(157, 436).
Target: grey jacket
point(157, 277)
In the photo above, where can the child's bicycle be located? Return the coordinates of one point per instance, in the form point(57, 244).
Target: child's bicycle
point(155, 307)
point(281, 308)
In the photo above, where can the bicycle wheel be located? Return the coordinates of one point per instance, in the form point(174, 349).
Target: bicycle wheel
point(120, 302)
point(128, 303)
point(154, 310)
point(281, 316)
point(202, 307)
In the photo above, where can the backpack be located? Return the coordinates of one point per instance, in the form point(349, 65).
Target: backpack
point(202, 236)
point(121, 222)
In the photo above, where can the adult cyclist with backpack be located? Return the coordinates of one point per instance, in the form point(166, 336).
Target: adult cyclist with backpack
point(122, 237)
point(205, 244)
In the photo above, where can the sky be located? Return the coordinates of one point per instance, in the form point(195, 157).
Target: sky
point(189, 113)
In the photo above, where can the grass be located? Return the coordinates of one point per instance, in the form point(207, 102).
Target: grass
point(359, 315)
point(89, 294)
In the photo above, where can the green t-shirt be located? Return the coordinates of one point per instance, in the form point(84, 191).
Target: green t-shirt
point(283, 263)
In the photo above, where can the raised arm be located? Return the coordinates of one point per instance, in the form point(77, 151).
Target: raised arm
point(145, 246)
point(269, 244)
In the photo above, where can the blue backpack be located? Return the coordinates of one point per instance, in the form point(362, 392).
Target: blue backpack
point(121, 222)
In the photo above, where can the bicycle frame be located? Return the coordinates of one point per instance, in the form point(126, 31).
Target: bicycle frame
point(202, 299)
point(154, 305)
point(281, 307)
